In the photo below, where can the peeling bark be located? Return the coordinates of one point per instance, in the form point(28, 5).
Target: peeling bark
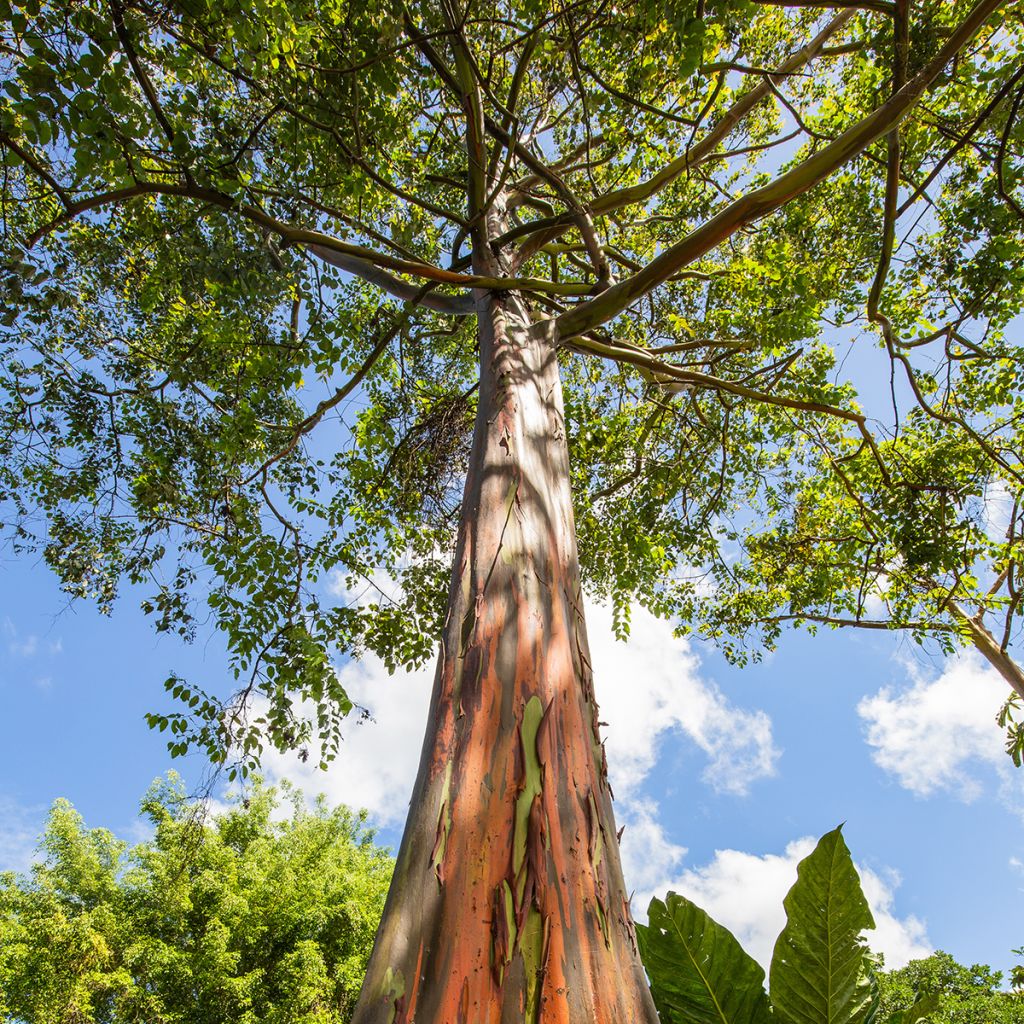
point(508, 903)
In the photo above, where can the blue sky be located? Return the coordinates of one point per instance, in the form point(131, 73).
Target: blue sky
point(722, 776)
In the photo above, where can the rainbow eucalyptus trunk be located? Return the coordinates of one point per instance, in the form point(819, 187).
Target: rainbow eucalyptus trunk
point(507, 903)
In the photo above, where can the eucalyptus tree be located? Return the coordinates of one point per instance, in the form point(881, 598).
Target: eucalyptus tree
point(314, 291)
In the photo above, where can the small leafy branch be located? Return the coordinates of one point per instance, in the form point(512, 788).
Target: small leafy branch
point(821, 971)
point(1017, 973)
point(1014, 729)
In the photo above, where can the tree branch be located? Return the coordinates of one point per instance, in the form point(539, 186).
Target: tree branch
point(882, 6)
point(703, 150)
point(361, 260)
point(763, 201)
point(457, 305)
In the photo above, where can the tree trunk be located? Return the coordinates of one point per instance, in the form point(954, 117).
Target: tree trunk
point(508, 903)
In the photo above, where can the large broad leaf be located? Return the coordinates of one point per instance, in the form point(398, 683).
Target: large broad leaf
point(699, 973)
point(924, 1006)
point(820, 973)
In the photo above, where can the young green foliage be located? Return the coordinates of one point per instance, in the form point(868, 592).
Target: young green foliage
point(241, 917)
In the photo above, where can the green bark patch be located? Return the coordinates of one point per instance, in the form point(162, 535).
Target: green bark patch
point(393, 991)
point(466, 633)
point(595, 834)
point(518, 923)
point(444, 825)
point(532, 785)
point(532, 943)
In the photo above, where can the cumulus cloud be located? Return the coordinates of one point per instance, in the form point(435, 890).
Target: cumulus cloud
point(647, 688)
point(744, 892)
point(376, 764)
point(940, 734)
point(650, 688)
point(648, 854)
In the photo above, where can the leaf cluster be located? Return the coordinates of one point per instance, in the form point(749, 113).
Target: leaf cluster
point(244, 916)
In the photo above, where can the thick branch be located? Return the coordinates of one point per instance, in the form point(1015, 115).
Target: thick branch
point(705, 148)
point(457, 305)
point(476, 149)
point(361, 260)
point(551, 228)
point(667, 372)
point(763, 201)
point(882, 6)
point(989, 647)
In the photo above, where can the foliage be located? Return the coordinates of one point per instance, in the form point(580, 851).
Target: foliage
point(698, 971)
point(821, 971)
point(1017, 972)
point(239, 243)
point(261, 913)
point(965, 995)
point(818, 966)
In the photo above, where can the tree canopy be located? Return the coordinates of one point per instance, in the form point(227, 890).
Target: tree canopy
point(967, 995)
point(260, 913)
point(710, 306)
point(777, 244)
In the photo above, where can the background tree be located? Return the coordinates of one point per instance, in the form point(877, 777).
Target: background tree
point(673, 213)
point(249, 915)
point(967, 995)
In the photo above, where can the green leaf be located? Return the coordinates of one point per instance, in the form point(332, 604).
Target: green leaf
point(924, 1006)
point(819, 972)
point(698, 971)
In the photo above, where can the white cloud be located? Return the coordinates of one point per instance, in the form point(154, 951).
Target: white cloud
point(651, 687)
point(647, 688)
point(24, 647)
point(744, 892)
point(997, 510)
point(900, 939)
point(648, 855)
point(376, 764)
point(940, 734)
point(20, 828)
point(363, 590)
